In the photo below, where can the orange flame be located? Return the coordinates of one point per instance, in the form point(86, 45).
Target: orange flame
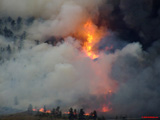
point(42, 110)
point(93, 36)
point(48, 111)
point(89, 35)
point(66, 112)
point(106, 108)
point(86, 114)
point(34, 109)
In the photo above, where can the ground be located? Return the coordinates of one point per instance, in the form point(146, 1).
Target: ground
point(26, 116)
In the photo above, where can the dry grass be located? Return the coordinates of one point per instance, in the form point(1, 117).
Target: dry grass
point(25, 116)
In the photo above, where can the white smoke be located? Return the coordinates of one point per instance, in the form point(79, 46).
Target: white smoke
point(63, 74)
point(45, 74)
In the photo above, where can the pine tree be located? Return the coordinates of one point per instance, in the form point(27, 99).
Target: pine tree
point(53, 111)
point(71, 115)
point(44, 108)
point(16, 101)
point(81, 114)
point(94, 115)
point(9, 49)
point(30, 108)
point(75, 113)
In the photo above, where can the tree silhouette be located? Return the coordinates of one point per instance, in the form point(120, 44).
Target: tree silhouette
point(71, 115)
point(53, 112)
point(16, 101)
point(19, 20)
point(94, 115)
point(81, 114)
point(13, 23)
point(8, 32)
point(9, 49)
point(75, 113)
point(44, 108)
point(30, 108)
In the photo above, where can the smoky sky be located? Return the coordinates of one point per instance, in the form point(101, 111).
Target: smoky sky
point(41, 63)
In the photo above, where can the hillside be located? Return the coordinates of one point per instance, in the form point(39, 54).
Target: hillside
point(26, 116)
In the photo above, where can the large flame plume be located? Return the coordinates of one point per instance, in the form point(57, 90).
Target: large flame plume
point(90, 34)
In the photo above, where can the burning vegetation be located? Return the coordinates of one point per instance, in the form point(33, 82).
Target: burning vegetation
point(72, 114)
point(90, 35)
point(98, 55)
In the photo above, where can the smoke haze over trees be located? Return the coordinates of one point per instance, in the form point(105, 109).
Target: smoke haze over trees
point(41, 62)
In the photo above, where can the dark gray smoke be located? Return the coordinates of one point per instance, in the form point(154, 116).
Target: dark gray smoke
point(134, 20)
point(138, 78)
point(41, 64)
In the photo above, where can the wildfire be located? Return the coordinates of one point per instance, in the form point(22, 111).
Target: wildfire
point(34, 109)
point(66, 112)
point(93, 36)
point(42, 110)
point(86, 114)
point(90, 35)
point(106, 108)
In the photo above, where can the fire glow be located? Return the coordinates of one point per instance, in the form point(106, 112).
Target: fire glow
point(106, 108)
point(67, 113)
point(91, 35)
point(90, 31)
point(42, 110)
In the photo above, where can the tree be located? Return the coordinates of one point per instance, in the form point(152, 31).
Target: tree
point(23, 36)
point(37, 42)
point(30, 20)
point(8, 32)
point(19, 23)
point(94, 115)
point(13, 24)
point(30, 108)
point(60, 113)
point(1, 22)
point(19, 20)
point(21, 42)
point(44, 108)
point(57, 109)
point(9, 49)
point(71, 115)
point(75, 113)
point(53, 111)
point(9, 19)
point(16, 101)
point(1, 31)
point(81, 114)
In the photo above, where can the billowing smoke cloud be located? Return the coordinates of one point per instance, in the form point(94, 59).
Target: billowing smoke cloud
point(43, 74)
point(47, 74)
point(138, 77)
point(133, 20)
point(61, 17)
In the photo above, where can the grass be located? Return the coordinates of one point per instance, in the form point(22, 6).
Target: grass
point(26, 116)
